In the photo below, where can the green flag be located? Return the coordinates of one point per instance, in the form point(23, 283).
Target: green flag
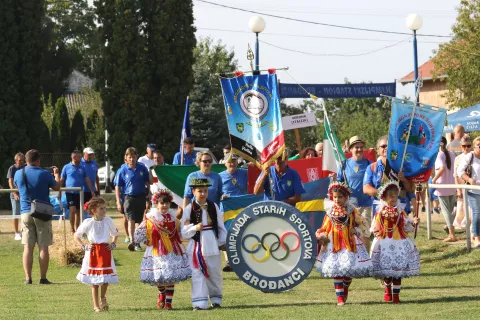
point(332, 152)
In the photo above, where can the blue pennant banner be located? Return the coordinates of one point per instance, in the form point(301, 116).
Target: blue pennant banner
point(423, 142)
point(349, 90)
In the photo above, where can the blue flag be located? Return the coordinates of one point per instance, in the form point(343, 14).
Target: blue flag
point(186, 125)
point(253, 115)
point(423, 142)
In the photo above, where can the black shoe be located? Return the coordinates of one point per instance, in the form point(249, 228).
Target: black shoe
point(28, 281)
point(227, 268)
point(197, 309)
point(423, 209)
point(45, 281)
point(447, 231)
point(216, 306)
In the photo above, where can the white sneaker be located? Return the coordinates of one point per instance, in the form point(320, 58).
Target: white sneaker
point(18, 236)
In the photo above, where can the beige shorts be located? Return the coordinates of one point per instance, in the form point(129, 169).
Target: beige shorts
point(36, 231)
point(366, 213)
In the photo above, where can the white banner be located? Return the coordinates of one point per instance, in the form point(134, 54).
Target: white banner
point(299, 121)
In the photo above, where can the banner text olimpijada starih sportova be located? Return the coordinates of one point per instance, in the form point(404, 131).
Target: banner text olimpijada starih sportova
point(252, 107)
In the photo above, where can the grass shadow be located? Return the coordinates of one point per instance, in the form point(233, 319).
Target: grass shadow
point(455, 254)
point(255, 306)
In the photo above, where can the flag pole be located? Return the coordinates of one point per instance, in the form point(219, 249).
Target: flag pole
point(335, 147)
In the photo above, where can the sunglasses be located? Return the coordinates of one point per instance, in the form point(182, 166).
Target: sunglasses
point(383, 146)
point(207, 161)
point(467, 146)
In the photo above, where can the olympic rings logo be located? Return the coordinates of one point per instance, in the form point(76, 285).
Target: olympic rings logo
point(270, 251)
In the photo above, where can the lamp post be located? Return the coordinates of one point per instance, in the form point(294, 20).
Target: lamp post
point(257, 25)
point(414, 22)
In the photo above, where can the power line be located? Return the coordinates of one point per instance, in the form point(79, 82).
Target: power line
point(309, 36)
point(319, 23)
point(353, 54)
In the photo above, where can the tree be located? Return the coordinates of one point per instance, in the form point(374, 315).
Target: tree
point(459, 59)
point(47, 113)
point(21, 50)
point(145, 71)
point(60, 137)
point(207, 109)
point(95, 134)
point(77, 132)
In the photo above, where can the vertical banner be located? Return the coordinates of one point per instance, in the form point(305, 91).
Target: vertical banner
point(253, 115)
point(423, 142)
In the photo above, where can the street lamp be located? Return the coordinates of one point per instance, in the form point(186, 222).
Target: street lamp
point(257, 25)
point(414, 22)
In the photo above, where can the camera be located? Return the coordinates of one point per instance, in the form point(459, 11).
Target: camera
point(49, 169)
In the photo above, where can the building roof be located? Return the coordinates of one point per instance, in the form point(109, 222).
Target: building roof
point(425, 71)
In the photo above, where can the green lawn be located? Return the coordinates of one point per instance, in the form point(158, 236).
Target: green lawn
point(448, 288)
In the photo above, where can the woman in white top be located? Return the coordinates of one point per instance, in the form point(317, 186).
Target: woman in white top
point(466, 145)
point(473, 179)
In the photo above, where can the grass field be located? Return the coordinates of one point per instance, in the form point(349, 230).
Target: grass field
point(448, 288)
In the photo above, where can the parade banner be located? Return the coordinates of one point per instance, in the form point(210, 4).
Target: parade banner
point(253, 115)
point(423, 142)
point(346, 90)
point(271, 246)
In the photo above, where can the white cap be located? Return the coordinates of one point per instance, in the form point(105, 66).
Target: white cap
point(88, 150)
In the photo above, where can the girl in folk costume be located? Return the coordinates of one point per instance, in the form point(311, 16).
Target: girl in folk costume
point(98, 268)
point(343, 255)
point(394, 255)
point(164, 262)
point(202, 223)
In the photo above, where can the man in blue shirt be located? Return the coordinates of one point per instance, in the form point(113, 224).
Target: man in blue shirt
point(14, 197)
point(91, 168)
point(134, 178)
point(287, 185)
point(74, 175)
point(34, 230)
point(379, 172)
point(189, 154)
point(355, 168)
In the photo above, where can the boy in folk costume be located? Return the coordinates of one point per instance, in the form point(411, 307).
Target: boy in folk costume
point(164, 262)
point(394, 255)
point(343, 255)
point(202, 223)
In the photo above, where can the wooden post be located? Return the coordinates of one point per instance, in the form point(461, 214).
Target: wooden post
point(297, 137)
point(65, 257)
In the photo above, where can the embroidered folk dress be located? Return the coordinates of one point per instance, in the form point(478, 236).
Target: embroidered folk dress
point(345, 254)
point(164, 260)
point(98, 266)
point(393, 253)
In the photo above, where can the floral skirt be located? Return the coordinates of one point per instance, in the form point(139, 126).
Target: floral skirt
point(345, 263)
point(164, 269)
point(395, 258)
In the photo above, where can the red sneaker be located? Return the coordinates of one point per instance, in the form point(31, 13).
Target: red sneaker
point(340, 300)
point(387, 296)
point(168, 306)
point(161, 301)
point(396, 298)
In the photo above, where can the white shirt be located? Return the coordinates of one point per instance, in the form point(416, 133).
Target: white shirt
point(208, 240)
point(147, 162)
point(97, 231)
point(475, 169)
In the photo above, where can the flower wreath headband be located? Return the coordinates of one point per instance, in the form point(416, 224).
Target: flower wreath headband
point(339, 186)
point(392, 184)
point(162, 192)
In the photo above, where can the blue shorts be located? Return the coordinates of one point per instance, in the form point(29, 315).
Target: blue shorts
point(15, 207)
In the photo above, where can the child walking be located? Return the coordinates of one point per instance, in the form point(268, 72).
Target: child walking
point(98, 268)
point(343, 255)
point(164, 261)
point(202, 223)
point(394, 255)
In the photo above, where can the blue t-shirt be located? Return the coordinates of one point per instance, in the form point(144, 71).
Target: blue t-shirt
point(285, 186)
point(234, 184)
point(115, 183)
point(92, 169)
point(188, 159)
point(375, 179)
point(133, 180)
point(39, 183)
point(355, 171)
point(74, 176)
point(214, 191)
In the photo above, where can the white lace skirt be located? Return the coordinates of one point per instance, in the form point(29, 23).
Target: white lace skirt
point(395, 258)
point(345, 263)
point(166, 269)
point(96, 279)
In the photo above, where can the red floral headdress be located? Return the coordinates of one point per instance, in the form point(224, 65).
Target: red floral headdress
point(339, 186)
point(162, 192)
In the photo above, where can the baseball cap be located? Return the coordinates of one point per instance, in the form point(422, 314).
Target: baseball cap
point(88, 150)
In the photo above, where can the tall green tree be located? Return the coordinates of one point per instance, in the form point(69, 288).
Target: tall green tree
point(459, 59)
point(77, 132)
point(60, 136)
point(145, 71)
point(207, 110)
point(20, 66)
point(95, 135)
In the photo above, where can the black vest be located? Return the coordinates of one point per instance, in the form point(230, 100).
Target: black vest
point(196, 217)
